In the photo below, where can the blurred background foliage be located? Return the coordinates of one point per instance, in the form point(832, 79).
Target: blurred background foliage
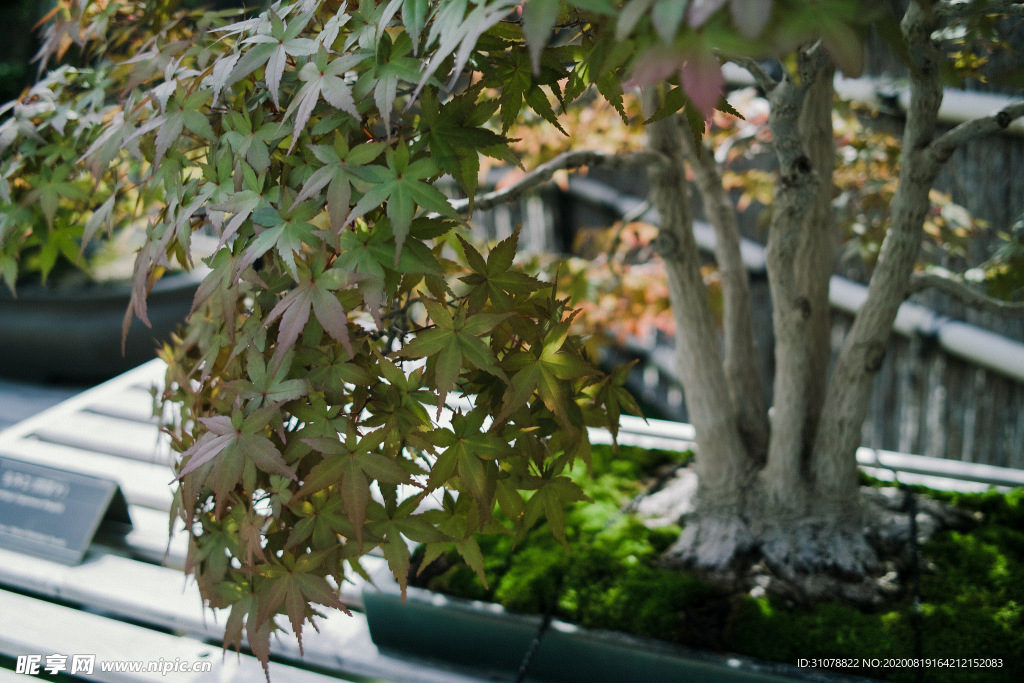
point(21, 39)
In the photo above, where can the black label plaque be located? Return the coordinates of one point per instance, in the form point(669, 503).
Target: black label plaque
point(55, 514)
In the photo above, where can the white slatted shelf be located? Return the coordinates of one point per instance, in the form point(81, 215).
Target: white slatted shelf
point(163, 598)
point(131, 403)
point(103, 434)
point(45, 628)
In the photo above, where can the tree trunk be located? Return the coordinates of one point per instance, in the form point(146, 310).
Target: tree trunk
point(740, 347)
point(847, 397)
point(723, 466)
point(792, 258)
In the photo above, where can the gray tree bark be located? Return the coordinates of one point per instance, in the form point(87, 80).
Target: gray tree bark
point(723, 466)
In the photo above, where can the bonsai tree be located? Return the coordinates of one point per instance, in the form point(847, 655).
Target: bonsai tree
point(345, 306)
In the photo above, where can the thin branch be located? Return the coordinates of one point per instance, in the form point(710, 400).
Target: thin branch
point(944, 145)
point(762, 77)
point(953, 285)
point(568, 160)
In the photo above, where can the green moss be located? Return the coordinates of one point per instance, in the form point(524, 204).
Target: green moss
point(972, 588)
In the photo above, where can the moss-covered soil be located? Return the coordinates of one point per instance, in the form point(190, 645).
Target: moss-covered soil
point(971, 586)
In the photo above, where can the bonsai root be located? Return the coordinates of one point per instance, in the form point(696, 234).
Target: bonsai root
point(802, 559)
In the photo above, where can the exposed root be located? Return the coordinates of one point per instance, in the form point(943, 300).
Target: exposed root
point(711, 544)
point(804, 559)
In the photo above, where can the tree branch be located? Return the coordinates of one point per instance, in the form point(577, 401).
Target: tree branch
point(948, 283)
point(761, 77)
point(944, 145)
point(846, 399)
point(740, 360)
point(568, 160)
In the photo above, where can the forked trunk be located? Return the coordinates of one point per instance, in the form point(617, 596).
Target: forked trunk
point(801, 509)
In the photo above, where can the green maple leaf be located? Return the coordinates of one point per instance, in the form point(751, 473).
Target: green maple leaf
point(397, 404)
point(610, 393)
point(549, 500)
point(273, 50)
point(266, 389)
point(285, 234)
point(454, 342)
point(401, 185)
point(326, 79)
point(493, 279)
point(294, 584)
point(244, 606)
point(455, 135)
point(323, 520)
point(545, 373)
point(514, 75)
point(182, 112)
point(389, 66)
point(251, 138)
point(336, 174)
point(49, 186)
point(468, 452)
point(348, 466)
point(370, 252)
point(395, 528)
point(210, 552)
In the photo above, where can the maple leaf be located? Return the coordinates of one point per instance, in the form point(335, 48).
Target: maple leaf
point(549, 499)
point(494, 279)
point(229, 443)
point(251, 139)
point(750, 16)
point(397, 404)
point(390, 65)
point(315, 292)
point(323, 520)
point(545, 372)
point(401, 185)
point(456, 137)
point(514, 75)
point(294, 584)
point(264, 389)
point(539, 17)
point(610, 393)
point(414, 17)
point(395, 527)
point(348, 467)
point(284, 233)
point(455, 341)
point(182, 112)
point(453, 28)
point(336, 174)
point(468, 452)
point(701, 78)
point(326, 79)
point(274, 49)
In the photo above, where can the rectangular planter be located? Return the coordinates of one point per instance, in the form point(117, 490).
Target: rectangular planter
point(488, 637)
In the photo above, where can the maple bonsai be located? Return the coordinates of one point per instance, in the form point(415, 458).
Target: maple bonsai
point(344, 305)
